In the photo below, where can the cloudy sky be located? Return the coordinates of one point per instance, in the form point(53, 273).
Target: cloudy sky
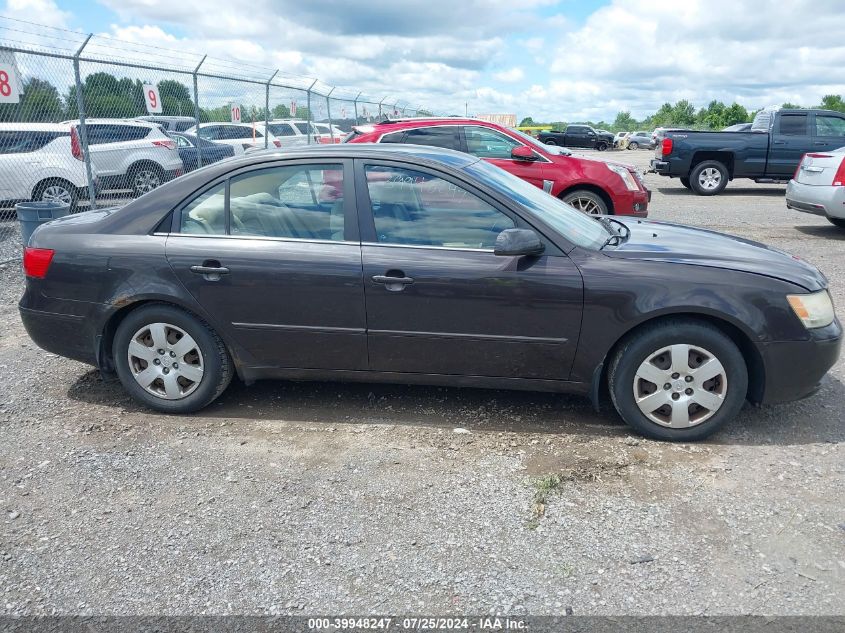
point(553, 60)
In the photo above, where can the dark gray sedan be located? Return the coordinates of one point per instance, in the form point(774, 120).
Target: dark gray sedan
point(420, 265)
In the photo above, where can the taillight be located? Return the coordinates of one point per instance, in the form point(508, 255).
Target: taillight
point(75, 145)
point(797, 169)
point(36, 261)
point(666, 146)
point(165, 144)
point(277, 143)
point(839, 178)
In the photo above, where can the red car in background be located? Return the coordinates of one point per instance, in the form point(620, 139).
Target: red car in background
point(592, 186)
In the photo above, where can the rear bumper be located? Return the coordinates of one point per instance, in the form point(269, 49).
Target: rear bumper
point(794, 369)
point(659, 166)
point(816, 199)
point(63, 334)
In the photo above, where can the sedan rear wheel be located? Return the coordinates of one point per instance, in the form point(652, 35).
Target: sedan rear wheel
point(586, 202)
point(678, 380)
point(633, 145)
point(169, 360)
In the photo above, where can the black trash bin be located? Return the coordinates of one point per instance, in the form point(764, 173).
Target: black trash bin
point(32, 214)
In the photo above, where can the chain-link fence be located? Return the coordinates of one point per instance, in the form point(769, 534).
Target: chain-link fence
point(91, 121)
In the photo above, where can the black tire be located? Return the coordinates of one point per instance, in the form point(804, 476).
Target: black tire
point(699, 175)
point(145, 177)
point(216, 362)
point(685, 182)
point(601, 146)
point(840, 222)
point(587, 202)
point(550, 141)
point(643, 343)
point(633, 145)
point(48, 191)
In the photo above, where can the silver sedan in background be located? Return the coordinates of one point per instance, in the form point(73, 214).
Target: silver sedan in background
point(818, 186)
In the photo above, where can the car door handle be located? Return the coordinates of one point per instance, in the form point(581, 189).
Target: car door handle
point(778, 142)
point(820, 143)
point(210, 270)
point(385, 279)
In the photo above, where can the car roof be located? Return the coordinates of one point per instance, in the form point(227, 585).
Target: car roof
point(137, 122)
point(361, 150)
point(35, 127)
point(165, 117)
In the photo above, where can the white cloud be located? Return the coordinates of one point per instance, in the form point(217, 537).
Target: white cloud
point(511, 75)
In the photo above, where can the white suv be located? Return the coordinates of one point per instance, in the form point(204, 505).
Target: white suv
point(241, 136)
point(294, 132)
point(131, 154)
point(41, 161)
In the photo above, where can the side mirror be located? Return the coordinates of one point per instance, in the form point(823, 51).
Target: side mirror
point(517, 242)
point(523, 153)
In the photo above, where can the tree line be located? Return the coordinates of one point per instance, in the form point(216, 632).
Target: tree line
point(106, 96)
point(715, 116)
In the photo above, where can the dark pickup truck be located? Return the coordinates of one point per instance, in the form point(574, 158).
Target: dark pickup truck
point(577, 136)
point(770, 152)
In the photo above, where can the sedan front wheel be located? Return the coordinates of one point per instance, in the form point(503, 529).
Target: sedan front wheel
point(678, 380)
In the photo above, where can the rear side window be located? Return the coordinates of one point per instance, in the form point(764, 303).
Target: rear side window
point(206, 214)
point(394, 137)
point(828, 125)
point(20, 142)
point(281, 129)
point(302, 127)
point(446, 136)
point(238, 132)
point(794, 124)
point(210, 133)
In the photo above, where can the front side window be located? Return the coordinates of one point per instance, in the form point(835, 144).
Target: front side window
point(827, 125)
point(241, 132)
point(181, 141)
point(209, 133)
point(416, 208)
point(486, 143)
point(302, 127)
point(447, 136)
point(794, 124)
point(299, 201)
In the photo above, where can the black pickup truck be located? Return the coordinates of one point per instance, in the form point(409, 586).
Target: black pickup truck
point(770, 152)
point(577, 136)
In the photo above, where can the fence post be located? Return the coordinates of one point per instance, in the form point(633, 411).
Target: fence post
point(355, 105)
point(197, 111)
point(83, 128)
point(308, 118)
point(329, 113)
point(379, 107)
point(267, 108)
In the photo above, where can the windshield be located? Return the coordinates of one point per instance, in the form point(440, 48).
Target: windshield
point(575, 226)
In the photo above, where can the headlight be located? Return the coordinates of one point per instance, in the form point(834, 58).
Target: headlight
point(814, 310)
point(627, 176)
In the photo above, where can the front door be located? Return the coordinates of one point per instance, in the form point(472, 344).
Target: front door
point(439, 301)
point(495, 147)
point(273, 255)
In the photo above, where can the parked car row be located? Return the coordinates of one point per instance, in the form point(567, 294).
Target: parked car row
point(593, 186)
point(44, 161)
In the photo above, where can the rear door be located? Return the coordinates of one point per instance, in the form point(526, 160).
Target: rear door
point(791, 139)
point(828, 131)
point(273, 254)
point(439, 301)
point(495, 148)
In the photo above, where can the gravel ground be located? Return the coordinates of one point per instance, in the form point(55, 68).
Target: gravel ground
point(330, 498)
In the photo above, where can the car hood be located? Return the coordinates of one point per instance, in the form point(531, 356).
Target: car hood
point(662, 241)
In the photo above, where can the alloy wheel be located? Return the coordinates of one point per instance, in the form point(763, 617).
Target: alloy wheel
point(57, 193)
point(165, 361)
point(585, 205)
point(680, 386)
point(145, 181)
point(709, 178)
